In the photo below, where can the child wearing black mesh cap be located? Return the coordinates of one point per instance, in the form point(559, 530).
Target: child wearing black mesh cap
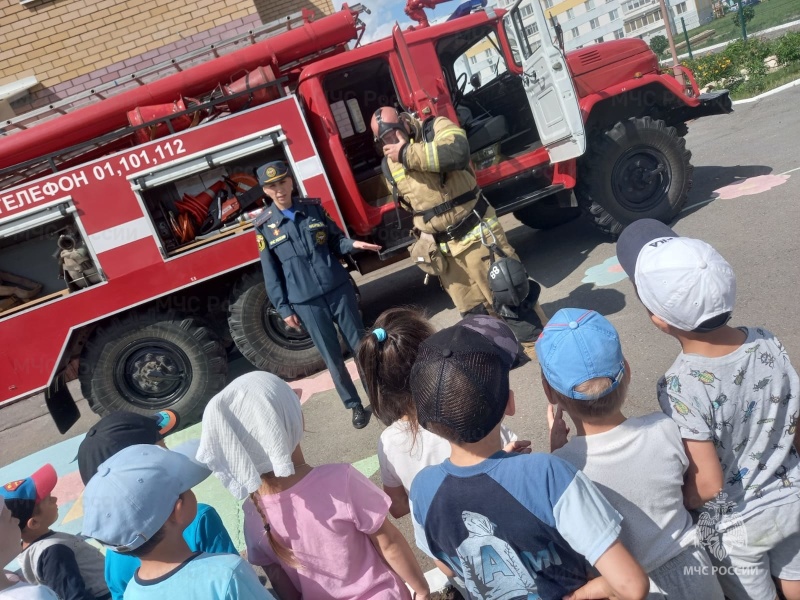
point(510, 525)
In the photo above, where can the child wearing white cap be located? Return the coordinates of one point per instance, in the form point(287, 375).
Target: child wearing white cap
point(734, 395)
point(139, 502)
point(318, 532)
point(638, 463)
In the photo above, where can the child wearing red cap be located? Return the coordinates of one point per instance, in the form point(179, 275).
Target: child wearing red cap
point(61, 561)
point(10, 588)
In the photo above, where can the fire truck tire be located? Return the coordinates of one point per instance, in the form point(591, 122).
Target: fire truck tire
point(548, 213)
point(640, 168)
point(149, 361)
point(262, 337)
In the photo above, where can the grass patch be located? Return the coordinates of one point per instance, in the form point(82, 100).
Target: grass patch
point(769, 82)
point(769, 13)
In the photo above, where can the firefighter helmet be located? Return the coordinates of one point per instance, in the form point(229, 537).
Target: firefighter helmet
point(508, 281)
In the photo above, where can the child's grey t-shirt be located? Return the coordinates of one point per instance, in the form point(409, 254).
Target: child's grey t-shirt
point(746, 403)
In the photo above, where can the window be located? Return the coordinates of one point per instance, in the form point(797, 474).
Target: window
point(598, 40)
point(595, 23)
point(574, 32)
point(589, 4)
point(526, 10)
point(570, 13)
point(473, 60)
point(548, 3)
point(531, 29)
point(619, 34)
point(680, 8)
point(613, 15)
point(628, 27)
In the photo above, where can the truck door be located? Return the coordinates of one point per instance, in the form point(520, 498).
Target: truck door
point(547, 82)
point(420, 99)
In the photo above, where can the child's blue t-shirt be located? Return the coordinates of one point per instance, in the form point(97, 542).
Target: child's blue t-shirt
point(206, 534)
point(514, 525)
point(203, 577)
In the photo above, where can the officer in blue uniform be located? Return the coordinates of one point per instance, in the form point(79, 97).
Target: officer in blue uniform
point(306, 283)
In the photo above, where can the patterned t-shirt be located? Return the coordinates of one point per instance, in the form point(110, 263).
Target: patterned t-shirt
point(514, 525)
point(746, 403)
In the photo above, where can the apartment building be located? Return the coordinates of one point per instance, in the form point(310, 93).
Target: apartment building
point(586, 22)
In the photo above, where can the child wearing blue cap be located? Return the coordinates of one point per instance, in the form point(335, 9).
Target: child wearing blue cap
point(638, 463)
point(140, 501)
point(119, 430)
point(61, 561)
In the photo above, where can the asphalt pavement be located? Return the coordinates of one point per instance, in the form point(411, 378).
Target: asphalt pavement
point(744, 201)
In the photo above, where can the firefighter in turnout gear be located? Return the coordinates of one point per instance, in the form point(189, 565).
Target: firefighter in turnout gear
point(428, 164)
point(308, 286)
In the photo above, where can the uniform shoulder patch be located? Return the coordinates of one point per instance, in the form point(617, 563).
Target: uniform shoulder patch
point(316, 201)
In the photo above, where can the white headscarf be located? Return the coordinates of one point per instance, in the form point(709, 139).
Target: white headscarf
point(249, 428)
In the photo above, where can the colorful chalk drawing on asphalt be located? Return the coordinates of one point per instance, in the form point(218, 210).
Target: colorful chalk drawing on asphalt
point(69, 490)
point(608, 272)
point(750, 186)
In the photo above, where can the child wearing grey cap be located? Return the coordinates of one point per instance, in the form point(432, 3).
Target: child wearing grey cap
point(139, 502)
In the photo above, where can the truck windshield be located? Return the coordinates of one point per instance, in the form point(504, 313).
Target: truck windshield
point(522, 31)
point(481, 63)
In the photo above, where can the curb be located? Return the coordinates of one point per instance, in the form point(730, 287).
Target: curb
point(782, 88)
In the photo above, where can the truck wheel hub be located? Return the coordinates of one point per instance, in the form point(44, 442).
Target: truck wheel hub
point(153, 374)
point(641, 178)
point(280, 332)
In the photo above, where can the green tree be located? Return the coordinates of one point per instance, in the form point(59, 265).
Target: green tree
point(747, 11)
point(659, 45)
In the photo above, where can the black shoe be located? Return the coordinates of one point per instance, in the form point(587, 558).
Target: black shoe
point(360, 417)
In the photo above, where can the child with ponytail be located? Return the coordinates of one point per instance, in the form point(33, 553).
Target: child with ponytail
point(385, 356)
point(318, 532)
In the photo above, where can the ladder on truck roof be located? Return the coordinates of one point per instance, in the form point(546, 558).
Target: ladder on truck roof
point(68, 157)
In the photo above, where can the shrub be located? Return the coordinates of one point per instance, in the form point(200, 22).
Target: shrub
point(726, 67)
point(659, 45)
point(748, 11)
point(712, 67)
point(787, 48)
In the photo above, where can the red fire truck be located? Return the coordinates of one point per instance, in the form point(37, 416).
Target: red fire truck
point(125, 218)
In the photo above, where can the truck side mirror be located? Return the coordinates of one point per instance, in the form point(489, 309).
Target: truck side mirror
point(475, 80)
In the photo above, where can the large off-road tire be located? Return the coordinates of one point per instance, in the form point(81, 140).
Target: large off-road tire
point(637, 169)
point(148, 361)
point(263, 338)
point(548, 213)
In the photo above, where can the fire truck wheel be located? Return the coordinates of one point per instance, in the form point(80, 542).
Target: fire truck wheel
point(548, 213)
point(145, 362)
point(263, 338)
point(637, 169)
